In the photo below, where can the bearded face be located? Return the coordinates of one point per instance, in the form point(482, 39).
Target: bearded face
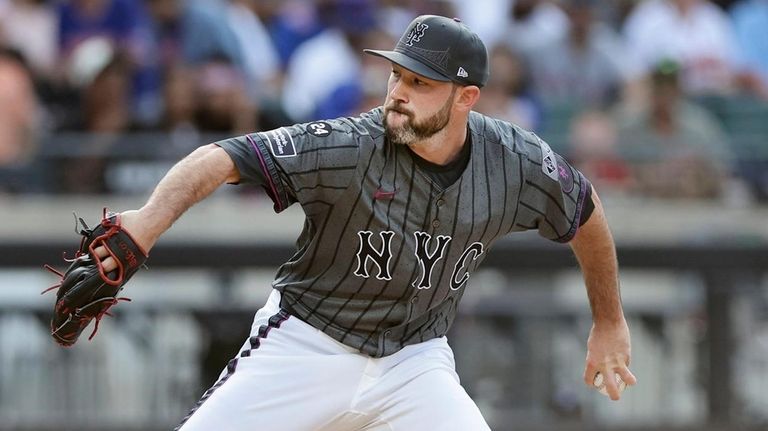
point(409, 130)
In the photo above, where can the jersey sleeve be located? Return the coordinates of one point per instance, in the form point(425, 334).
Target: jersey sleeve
point(554, 195)
point(300, 163)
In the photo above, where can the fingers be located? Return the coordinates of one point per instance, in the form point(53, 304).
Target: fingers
point(590, 372)
point(627, 376)
point(611, 385)
point(101, 251)
point(609, 381)
point(109, 263)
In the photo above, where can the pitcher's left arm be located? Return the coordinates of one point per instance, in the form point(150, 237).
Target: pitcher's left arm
point(608, 346)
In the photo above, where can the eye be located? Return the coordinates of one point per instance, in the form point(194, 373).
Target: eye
point(419, 82)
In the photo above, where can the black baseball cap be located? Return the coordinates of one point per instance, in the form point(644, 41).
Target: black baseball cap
point(440, 48)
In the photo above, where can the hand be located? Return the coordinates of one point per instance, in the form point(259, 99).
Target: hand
point(133, 225)
point(609, 352)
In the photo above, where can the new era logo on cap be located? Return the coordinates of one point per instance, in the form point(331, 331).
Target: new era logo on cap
point(462, 73)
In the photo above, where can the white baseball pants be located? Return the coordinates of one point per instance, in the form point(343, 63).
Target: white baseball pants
point(290, 376)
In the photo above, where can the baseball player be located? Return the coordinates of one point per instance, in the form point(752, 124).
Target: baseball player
point(402, 204)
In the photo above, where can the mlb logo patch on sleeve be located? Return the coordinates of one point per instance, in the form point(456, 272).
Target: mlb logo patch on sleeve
point(548, 161)
point(281, 143)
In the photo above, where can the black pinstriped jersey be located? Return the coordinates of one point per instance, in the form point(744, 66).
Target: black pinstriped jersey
point(385, 253)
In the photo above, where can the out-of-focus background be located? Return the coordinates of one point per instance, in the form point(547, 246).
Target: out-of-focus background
point(663, 104)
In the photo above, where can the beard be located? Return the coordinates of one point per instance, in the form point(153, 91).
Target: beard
point(412, 131)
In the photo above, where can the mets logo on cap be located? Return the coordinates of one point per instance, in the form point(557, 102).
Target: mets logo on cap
point(416, 33)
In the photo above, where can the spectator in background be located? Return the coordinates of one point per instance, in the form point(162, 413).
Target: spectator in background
point(585, 66)
point(593, 149)
point(223, 102)
point(533, 24)
point(434, 7)
point(116, 20)
point(674, 148)
point(488, 18)
point(122, 23)
point(101, 75)
point(323, 78)
point(104, 74)
point(180, 101)
point(21, 18)
point(208, 98)
point(261, 62)
point(394, 15)
point(507, 95)
point(695, 33)
point(19, 112)
point(19, 124)
point(190, 34)
point(292, 23)
point(375, 73)
point(750, 19)
point(106, 101)
point(193, 32)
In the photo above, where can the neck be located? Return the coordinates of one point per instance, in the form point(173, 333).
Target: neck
point(444, 146)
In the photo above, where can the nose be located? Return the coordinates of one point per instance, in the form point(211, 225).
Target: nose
point(397, 93)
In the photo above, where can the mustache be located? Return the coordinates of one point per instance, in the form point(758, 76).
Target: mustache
point(398, 109)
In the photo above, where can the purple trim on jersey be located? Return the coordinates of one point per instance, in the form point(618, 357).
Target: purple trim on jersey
point(255, 341)
point(585, 185)
point(272, 187)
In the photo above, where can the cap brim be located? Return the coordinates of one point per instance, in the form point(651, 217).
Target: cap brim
point(409, 63)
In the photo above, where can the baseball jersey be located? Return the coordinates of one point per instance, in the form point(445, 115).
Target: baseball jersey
point(386, 252)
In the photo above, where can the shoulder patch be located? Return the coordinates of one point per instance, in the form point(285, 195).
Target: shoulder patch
point(565, 174)
point(281, 143)
point(548, 161)
point(321, 129)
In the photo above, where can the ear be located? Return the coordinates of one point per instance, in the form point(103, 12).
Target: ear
point(467, 97)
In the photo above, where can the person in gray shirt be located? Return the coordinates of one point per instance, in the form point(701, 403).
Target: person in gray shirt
point(402, 204)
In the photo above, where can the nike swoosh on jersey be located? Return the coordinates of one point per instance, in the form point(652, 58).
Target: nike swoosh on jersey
point(382, 195)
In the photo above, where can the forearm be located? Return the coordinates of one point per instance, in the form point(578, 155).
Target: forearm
point(595, 250)
point(188, 182)
point(609, 349)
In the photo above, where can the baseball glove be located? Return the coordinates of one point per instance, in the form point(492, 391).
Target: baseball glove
point(85, 290)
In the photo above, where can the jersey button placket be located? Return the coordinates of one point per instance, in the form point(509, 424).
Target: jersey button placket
point(439, 202)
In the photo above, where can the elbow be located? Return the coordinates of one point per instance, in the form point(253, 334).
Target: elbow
point(215, 159)
point(205, 150)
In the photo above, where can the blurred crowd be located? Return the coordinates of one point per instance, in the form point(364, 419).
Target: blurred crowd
point(659, 98)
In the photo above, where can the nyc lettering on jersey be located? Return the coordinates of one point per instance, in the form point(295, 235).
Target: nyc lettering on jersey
point(428, 252)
